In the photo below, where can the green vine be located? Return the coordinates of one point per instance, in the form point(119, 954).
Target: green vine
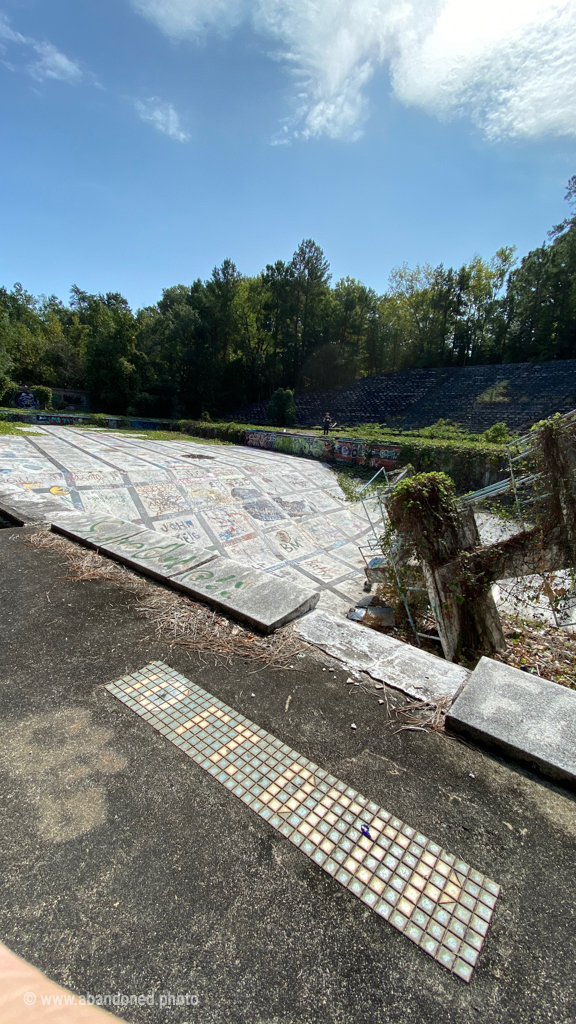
point(423, 510)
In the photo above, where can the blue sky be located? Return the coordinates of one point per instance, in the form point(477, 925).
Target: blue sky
point(143, 141)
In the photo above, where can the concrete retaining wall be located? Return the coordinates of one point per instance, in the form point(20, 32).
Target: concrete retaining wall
point(346, 451)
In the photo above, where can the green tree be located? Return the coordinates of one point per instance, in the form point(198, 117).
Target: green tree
point(6, 362)
point(111, 357)
point(171, 343)
point(213, 345)
point(277, 281)
point(43, 396)
point(309, 278)
point(541, 298)
point(282, 409)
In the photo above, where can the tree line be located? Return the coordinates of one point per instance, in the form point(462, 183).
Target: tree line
point(213, 345)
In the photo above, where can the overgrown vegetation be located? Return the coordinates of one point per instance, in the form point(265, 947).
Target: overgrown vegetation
point(423, 510)
point(428, 526)
point(208, 347)
point(442, 430)
point(282, 409)
point(497, 393)
point(471, 460)
point(12, 428)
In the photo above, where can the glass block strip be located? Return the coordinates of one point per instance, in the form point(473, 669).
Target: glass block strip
point(435, 899)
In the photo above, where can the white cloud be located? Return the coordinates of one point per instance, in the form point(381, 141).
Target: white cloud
point(190, 18)
point(508, 64)
point(161, 116)
point(8, 34)
point(51, 64)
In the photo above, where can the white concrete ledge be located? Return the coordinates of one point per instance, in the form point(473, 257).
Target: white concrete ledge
point(258, 598)
point(530, 719)
point(94, 532)
point(415, 672)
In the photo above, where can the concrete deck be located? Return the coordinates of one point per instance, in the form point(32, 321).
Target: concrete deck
point(283, 516)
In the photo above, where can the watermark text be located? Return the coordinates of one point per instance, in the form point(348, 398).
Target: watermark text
point(164, 1000)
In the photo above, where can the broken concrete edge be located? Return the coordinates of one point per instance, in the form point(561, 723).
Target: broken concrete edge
point(257, 598)
point(29, 513)
point(11, 514)
point(529, 720)
point(401, 666)
point(308, 603)
point(409, 688)
point(26, 509)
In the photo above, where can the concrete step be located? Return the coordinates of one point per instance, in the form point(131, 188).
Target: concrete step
point(258, 598)
point(527, 718)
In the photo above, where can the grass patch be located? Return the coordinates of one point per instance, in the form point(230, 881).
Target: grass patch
point(16, 428)
point(497, 393)
point(155, 435)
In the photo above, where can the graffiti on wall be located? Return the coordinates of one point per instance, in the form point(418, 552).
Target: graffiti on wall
point(387, 456)
point(26, 400)
point(63, 421)
point(348, 451)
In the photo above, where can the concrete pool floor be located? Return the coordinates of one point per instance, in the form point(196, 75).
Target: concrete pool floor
point(280, 514)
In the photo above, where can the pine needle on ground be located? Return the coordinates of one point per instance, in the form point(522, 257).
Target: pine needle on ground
point(176, 620)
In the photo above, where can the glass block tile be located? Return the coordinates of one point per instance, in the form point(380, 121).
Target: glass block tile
point(436, 930)
point(469, 954)
point(429, 944)
point(457, 927)
point(446, 957)
point(413, 932)
point(398, 920)
point(463, 970)
point(474, 940)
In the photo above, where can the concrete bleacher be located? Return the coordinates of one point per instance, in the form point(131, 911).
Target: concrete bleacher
point(525, 393)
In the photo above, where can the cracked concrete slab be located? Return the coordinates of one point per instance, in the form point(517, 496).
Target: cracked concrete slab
point(415, 672)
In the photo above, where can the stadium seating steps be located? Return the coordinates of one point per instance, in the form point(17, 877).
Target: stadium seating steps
point(476, 397)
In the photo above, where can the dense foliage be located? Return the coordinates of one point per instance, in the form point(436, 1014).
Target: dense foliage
point(210, 346)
